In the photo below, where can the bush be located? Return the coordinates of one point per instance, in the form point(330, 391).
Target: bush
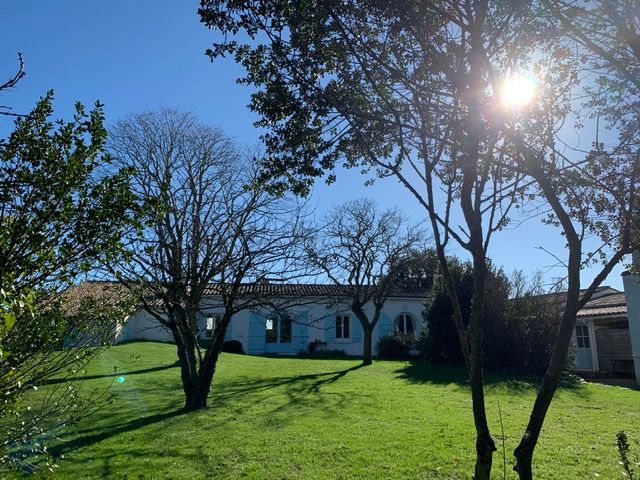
point(520, 323)
point(313, 353)
point(394, 346)
point(232, 346)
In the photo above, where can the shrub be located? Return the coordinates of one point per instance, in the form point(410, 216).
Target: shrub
point(394, 346)
point(312, 352)
point(520, 323)
point(232, 346)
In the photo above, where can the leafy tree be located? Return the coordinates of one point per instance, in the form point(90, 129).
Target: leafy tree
point(209, 232)
point(403, 89)
point(412, 89)
point(441, 344)
point(521, 321)
point(364, 248)
point(418, 268)
point(63, 210)
point(592, 193)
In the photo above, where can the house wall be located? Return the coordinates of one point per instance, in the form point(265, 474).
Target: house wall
point(315, 321)
point(632, 295)
point(142, 326)
point(614, 348)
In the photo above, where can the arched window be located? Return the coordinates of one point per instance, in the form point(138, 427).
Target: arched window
point(404, 324)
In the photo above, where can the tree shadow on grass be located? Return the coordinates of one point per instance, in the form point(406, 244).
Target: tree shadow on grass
point(300, 390)
point(87, 440)
point(114, 374)
point(437, 374)
point(296, 388)
point(312, 383)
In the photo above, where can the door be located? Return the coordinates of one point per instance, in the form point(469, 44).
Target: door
point(584, 360)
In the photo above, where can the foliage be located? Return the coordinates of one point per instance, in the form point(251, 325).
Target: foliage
point(62, 208)
point(323, 419)
point(327, 353)
point(622, 444)
point(524, 334)
point(393, 346)
point(441, 343)
point(418, 269)
point(62, 212)
point(521, 322)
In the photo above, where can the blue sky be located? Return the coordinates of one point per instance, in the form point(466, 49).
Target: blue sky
point(141, 54)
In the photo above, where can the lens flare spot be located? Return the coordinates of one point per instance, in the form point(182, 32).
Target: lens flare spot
point(518, 91)
point(120, 379)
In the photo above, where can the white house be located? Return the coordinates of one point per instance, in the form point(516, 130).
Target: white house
point(606, 338)
point(318, 318)
point(632, 295)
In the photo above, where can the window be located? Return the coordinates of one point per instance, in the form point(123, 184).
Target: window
point(285, 330)
point(404, 324)
point(278, 329)
point(271, 335)
point(211, 324)
point(342, 326)
point(582, 336)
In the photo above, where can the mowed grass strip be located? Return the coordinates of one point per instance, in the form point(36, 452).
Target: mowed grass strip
point(277, 418)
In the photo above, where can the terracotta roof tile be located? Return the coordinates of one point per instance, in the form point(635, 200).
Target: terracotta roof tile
point(113, 291)
point(609, 305)
point(311, 290)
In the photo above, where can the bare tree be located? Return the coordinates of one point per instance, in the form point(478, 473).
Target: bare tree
point(363, 248)
point(208, 223)
point(11, 82)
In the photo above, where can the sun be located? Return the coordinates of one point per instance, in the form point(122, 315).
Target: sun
point(518, 91)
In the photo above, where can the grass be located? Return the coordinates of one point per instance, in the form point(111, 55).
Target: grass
point(276, 418)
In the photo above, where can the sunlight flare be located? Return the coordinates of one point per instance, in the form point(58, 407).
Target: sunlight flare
point(518, 91)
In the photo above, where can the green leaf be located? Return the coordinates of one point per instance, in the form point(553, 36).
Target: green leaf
point(9, 320)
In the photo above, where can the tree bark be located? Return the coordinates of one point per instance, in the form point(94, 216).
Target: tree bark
point(367, 332)
point(524, 451)
point(485, 446)
point(208, 367)
point(195, 397)
point(367, 347)
point(189, 373)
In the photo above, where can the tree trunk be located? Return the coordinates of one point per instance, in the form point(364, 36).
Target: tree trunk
point(525, 449)
point(189, 374)
point(367, 348)
point(186, 347)
point(211, 356)
point(485, 446)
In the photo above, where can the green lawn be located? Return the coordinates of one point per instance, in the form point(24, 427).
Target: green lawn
point(322, 419)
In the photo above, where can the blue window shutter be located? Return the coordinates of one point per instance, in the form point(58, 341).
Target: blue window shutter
point(256, 334)
point(229, 333)
point(300, 338)
point(356, 328)
point(330, 328)
point(385, 325)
